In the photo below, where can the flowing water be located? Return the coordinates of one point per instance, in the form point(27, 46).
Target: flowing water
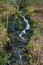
point(19, 52)
point(26, 28)
point(26, 22)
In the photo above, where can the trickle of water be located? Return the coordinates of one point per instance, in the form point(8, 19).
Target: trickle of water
point(26, 28)
point(20, 35)
point(23, 32)
point(20, 56)
point(18, 52)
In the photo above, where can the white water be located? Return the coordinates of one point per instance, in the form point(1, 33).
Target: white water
point(26, 28)
point(20, 57)
point(20, 35)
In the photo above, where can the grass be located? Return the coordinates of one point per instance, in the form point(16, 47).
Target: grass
point(35, 44)
point(3, 58)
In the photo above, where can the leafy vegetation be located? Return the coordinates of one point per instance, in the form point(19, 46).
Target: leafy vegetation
point(12, 24)
point(3, 58)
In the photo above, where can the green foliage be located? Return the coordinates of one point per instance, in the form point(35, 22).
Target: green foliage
point(3, 58)
point(3, 1)
point(3, 23)
point(2, 31)
point(33, 45)
point(30, 58)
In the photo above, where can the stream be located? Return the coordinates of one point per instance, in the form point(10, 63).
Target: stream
point(20, 35)
point(26, 28)
point(19, 52)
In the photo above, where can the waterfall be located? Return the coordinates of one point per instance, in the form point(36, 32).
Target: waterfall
point(18, 52)
point(20, 35)
point(26, 28)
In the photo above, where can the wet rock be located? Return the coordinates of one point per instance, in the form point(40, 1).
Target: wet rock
point(8, 63)
point(8, 47)
point(10, 56)
point(24, 42)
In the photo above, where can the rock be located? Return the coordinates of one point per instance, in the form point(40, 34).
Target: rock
point(8, 47)
point(8, 63)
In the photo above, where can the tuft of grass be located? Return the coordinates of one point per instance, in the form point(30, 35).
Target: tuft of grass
point(3, 58)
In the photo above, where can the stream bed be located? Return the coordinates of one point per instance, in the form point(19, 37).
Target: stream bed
point(19, 47)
